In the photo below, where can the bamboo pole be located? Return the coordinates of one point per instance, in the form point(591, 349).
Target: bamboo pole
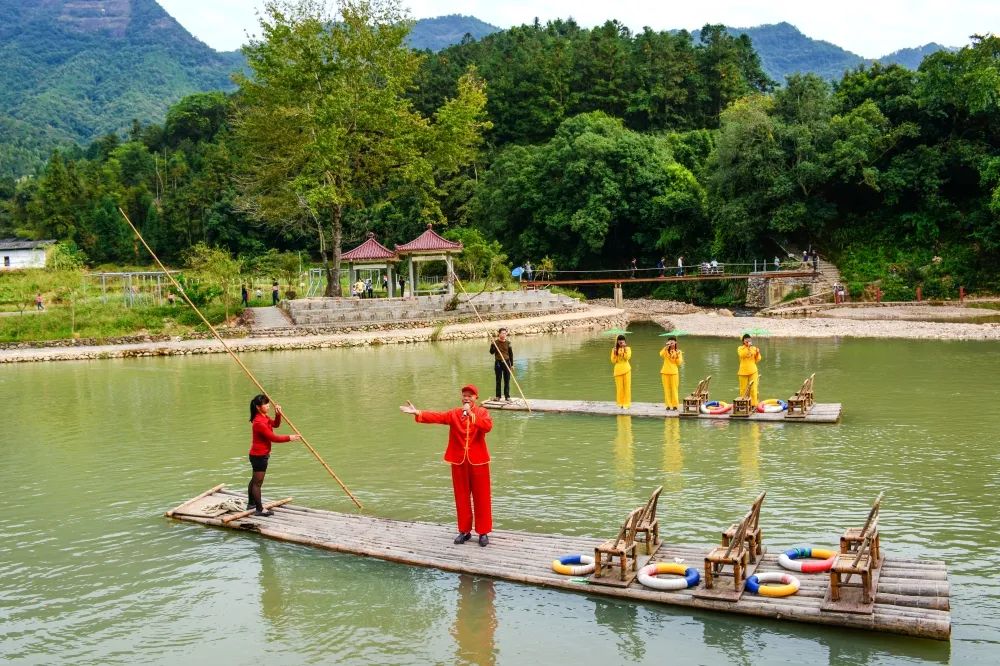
point(243, 514)
point(231, 353)
point(489, 334)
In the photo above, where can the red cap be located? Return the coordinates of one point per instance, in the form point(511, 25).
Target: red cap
point(471, 389)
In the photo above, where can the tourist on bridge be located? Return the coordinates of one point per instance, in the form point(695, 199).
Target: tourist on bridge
point(661, 266)
point(673, 359)
point(261, 437)
point(503, 363)
point(680, 266)
point(528, 270)
point(469, 459)
point(620, 357)
point(633, 265)
point(749, 358)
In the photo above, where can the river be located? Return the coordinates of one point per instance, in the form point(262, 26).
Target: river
point(94, 574)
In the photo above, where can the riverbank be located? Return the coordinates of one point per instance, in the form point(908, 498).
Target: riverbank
point(590, 317)
point(887, 321)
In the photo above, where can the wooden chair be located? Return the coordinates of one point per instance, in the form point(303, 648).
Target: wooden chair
point(743, 406)
point(800, 403)
point(691, 405)
point(854, 537)
point(622, 547)
point(649, 524)
point(734, 554)
point(846, 565)
point(752, 535)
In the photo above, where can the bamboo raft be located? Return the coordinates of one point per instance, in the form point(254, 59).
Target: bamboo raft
point(911, 596)
point(828, 412)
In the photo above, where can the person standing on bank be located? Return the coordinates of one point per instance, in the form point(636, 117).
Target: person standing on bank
point(244, 296)
point(469, 459)
point(274, 293)
point(673, 359)
point(749, 358)
point(620, 357)
point(503, 363)
point(261, 438)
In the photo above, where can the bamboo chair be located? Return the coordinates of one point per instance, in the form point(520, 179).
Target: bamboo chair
point(845, 566)
point(691, 405)
point(800, 403)
point(649, 524)
point(854, 537)
point(742, 405)
point(752, 535)
point(734, 554)
point(622, 547)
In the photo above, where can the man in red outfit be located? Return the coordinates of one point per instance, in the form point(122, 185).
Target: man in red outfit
point(469, 459)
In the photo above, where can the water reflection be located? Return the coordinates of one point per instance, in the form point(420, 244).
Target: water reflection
point(748, 441)
point(673, 456)
point(475, 621)
point(729, 636)
point(624, 456)
point(621, 620)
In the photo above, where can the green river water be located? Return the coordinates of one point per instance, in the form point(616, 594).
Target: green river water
point(92, 573)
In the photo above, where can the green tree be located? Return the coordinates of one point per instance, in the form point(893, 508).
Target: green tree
point(218, 269)
point(324, 121)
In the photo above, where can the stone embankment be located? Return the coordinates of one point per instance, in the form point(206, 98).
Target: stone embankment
point(588, 317)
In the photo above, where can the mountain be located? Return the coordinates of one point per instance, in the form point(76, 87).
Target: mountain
point(444, 31)
point(784, 50)
point(73, 70)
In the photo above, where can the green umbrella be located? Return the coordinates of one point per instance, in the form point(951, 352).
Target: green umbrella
point(616, 331)
point(673, 333)
point(757, 332)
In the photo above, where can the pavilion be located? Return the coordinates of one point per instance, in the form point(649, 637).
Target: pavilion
point(429, 246)
point(371, 254)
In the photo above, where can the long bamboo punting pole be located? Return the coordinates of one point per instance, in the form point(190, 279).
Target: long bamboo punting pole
point(489, 333)
point(236, 358)
point(243, 514)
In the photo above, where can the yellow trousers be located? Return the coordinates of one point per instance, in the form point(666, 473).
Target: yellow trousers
point(753, 391)
point(623, 390)
point(670, 398)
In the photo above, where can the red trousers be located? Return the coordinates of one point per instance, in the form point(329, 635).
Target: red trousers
point(472, 493)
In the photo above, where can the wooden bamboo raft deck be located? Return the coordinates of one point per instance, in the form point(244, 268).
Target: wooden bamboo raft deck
point(911, 596)
point(822, 412)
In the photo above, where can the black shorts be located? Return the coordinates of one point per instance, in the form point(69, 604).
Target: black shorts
point(259, 463)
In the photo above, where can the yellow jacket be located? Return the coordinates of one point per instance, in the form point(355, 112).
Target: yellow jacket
point(621, 361)
point(748, 359)
point(671, 361)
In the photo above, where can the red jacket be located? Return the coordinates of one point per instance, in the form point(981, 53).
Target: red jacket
point(466, 437)
point(263, 434)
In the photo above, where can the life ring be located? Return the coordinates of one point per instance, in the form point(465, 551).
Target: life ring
point(788, 560)
point(772, 406)
point(584, 564)
point(788, 584)
point(648, 576)
point(716, 407)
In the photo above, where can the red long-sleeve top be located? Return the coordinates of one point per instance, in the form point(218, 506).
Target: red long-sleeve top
point(263, 434)
point(466, 436)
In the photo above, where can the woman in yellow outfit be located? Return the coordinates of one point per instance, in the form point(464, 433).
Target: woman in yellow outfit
point(749, 357)
point(620, 357)
point(673, 358)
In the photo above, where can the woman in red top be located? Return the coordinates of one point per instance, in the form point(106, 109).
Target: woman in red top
point(260, 448)
point(469, 459)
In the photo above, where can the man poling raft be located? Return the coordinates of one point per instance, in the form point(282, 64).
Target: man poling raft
point(469, 459)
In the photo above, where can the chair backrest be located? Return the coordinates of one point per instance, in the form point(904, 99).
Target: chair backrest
point(872, 520)
point(740, 536)
point(627, 535)
point(649, 511)
point(755, 511)
point(705, 382)
point(865, 549)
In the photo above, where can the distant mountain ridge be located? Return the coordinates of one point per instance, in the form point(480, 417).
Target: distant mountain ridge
point(73, 70)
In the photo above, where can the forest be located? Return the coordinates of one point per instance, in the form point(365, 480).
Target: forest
point(583, 146)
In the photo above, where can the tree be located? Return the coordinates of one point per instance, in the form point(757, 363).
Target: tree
point(219, 269)
point(324, 120)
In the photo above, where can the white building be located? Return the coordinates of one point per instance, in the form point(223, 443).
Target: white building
point(18, 253)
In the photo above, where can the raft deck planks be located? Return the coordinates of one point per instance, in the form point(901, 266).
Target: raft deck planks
point(913, 596)
point(826, 412)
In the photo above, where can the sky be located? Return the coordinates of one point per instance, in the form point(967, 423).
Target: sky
point(871, 28)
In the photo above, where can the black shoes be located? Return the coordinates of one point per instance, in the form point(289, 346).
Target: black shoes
point(264, 514)
point(484, 540)
point(462, 538)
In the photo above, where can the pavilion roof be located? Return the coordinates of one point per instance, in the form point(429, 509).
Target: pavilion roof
point(429, 241)
point(370, 250)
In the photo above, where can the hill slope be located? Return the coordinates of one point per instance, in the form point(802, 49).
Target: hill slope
point(72, 70)
point(444, 31)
